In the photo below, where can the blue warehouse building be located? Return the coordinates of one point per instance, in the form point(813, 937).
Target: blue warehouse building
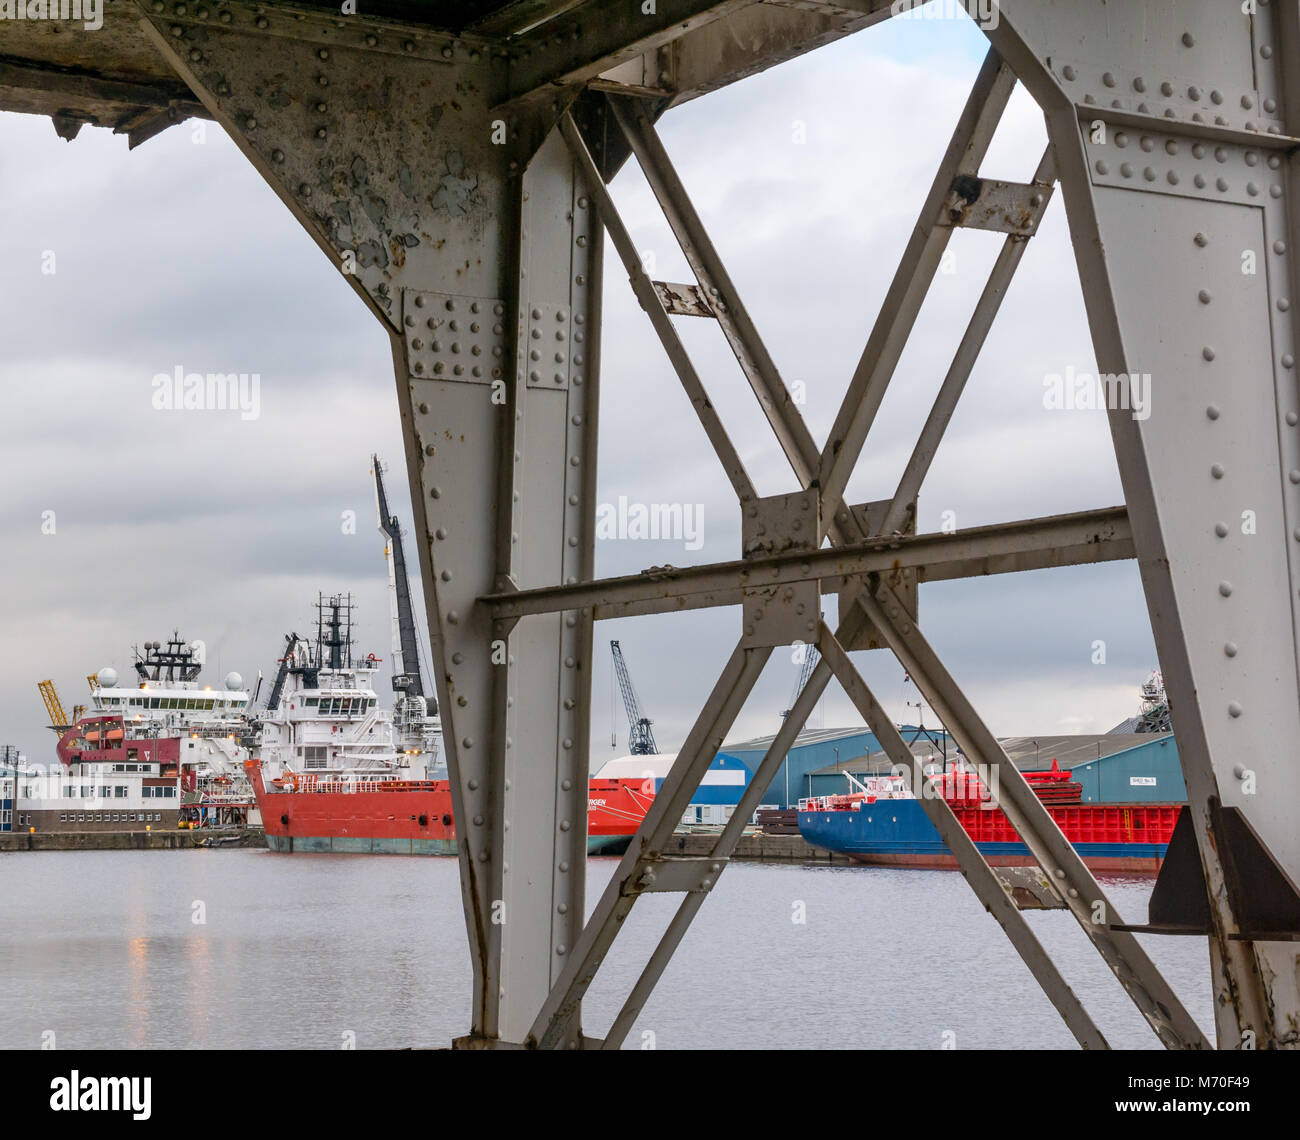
point(1112, 768)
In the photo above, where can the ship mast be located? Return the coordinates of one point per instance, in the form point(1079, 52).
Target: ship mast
point(334, 632)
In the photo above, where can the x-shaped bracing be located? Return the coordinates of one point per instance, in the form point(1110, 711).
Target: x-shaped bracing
point(870, 601)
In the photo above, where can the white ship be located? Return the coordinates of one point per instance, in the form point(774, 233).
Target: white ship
point(324, 723)
point(166, 752)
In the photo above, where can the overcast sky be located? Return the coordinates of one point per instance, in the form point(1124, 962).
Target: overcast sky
point(179, 255)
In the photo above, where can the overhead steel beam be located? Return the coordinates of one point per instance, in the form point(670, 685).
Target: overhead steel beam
point(592, 38)
point(1061, 540)
point(71, 86)
point(712, 57)
point(521, 16)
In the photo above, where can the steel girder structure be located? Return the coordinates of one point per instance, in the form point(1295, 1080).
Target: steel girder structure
point(452, 161)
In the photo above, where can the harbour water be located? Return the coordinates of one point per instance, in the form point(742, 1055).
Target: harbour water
point(103, 949)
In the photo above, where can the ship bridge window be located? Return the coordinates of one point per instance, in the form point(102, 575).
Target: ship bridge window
point(310, 702)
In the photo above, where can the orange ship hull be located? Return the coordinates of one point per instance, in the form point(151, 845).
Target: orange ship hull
point(415, 817)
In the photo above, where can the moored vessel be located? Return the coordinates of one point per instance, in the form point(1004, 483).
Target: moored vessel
point(335, 771)
point(881, 822)
point(145, 757)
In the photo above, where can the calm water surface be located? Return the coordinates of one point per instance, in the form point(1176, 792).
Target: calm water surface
point(296, 951)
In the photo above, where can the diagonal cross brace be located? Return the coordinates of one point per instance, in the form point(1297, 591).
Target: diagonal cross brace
point(705, 738)
point(986, 885)
point(732, 316)
point(921, 259)
point(1078, 888)
point(988, 888)
point(972, 342)
point(970, 142)
point(644, 289)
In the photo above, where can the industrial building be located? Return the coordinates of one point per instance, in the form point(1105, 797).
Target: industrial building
point(1112, 767)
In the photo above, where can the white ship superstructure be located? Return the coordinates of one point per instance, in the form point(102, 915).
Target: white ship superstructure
point(324, 722)
point(169, 700)
point(168, 751)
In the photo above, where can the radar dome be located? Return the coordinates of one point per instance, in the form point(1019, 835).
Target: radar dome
point(234, 681)
point(107, 677)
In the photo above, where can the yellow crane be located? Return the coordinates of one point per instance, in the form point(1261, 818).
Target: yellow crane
point(54, 706)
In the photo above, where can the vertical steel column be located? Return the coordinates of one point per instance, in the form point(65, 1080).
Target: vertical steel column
point(471, 239)
point(542, 759)
point(1171, 125)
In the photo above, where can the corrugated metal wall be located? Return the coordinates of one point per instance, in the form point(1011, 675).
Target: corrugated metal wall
point(1142, 774)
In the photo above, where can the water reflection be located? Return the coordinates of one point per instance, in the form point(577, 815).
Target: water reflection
point(298, 951)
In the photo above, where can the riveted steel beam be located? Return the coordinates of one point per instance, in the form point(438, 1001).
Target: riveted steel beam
point(1166, 124)
point(758, 37)
point(475, 247)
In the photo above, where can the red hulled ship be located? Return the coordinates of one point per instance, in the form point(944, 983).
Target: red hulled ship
point(337, 772)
